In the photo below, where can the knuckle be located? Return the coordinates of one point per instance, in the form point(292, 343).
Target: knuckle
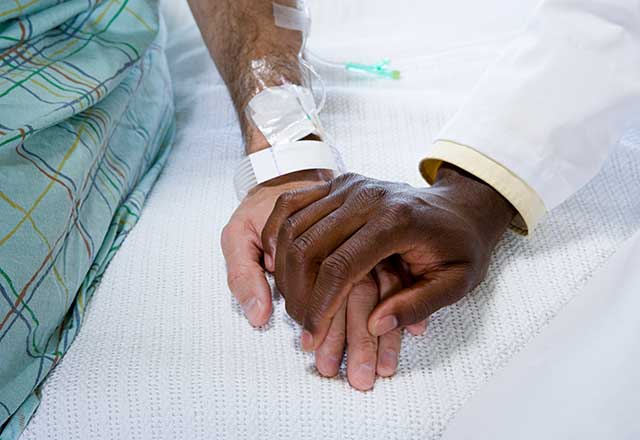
point(361, 303)
point(285, 199)
point(401, 210)
point(366, 285)
point(297, 253)
point(372, 191)
point(394, 336)
point(396, 215)
point(347, 178)
point(335, 337)
point(302, 245)
point(364, 343)
point(336, 266)
point(288, 226)
point(363, 296)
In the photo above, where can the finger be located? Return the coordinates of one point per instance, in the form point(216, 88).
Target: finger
point(418, 329)
point(287, 204)
point(302, 256)
point(416, 303)
point(291, 266)
point(245, 275)
point(389, 283)
point(388, 352)
point(306, 217)
point(395, 266)
point(329, 354)
point(362, 347)
point(338, 272)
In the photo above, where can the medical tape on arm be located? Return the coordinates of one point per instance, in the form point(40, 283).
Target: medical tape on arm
point(285, 115)
point(290, 18)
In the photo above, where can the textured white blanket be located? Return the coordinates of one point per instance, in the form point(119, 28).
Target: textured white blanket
point(165, 352)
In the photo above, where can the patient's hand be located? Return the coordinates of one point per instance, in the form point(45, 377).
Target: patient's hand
point(367, 355)
point(242, 245)
point(328, 237)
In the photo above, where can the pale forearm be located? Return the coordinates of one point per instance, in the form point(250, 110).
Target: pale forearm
point(250, 51)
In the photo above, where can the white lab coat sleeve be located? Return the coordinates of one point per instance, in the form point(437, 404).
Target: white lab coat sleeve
point(560, 96)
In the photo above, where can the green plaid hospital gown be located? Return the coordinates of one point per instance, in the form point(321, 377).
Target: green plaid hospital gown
point(86, 123)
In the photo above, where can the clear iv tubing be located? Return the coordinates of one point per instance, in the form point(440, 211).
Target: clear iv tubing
point(306, 57)
point(323, 86)
point(307, 65)
point(312, 57)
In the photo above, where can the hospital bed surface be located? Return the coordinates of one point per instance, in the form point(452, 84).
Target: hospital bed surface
point(165, 353)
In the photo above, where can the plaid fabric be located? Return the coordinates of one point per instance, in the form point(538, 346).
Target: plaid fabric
point(86, 122)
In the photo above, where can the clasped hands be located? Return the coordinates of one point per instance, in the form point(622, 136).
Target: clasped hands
point(357, 259)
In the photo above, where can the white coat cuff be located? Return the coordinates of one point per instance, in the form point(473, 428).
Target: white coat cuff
point(524, 199)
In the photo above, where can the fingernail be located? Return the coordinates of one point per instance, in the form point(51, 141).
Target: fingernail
point(388, 362)
point(251, 309)
point(268, 262)
point(307, 341)
point(364, 376)
point(385, 325)
point(327, 365)
point(417, 329)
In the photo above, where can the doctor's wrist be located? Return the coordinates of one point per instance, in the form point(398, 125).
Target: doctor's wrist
point(491, 212)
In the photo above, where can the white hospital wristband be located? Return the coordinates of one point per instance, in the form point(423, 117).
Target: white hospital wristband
point(282, 159)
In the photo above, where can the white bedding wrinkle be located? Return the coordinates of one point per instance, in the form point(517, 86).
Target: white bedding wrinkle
point(165, 352)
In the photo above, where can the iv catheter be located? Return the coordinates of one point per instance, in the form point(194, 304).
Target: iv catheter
point(380, 69)
point(300, 20)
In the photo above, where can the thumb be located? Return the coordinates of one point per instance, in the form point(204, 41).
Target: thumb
point(416, 303)
point(245, 275)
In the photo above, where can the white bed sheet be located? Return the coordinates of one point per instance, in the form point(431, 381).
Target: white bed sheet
point(579, 378)
point(165, 352)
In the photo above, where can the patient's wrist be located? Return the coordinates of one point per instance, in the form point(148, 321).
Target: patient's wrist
point(312, 177)
point(301, 177)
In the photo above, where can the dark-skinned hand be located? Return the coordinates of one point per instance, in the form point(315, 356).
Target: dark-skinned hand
point(326, 238)
point(367, 355)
